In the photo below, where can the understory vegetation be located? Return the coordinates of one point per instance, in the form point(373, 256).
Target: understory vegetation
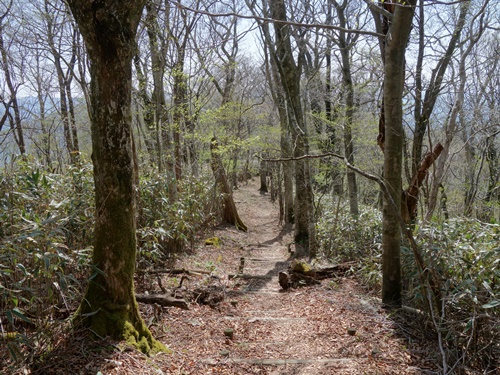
point(463, 257)
point(372, 125)
point(45, 256)
point(46, 225)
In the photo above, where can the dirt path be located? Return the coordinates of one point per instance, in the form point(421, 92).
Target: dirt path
point(302, 331)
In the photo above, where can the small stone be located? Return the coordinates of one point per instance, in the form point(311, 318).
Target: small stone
point(224, 353)
point(228, 332)
point(351, 331)
point(234, 303)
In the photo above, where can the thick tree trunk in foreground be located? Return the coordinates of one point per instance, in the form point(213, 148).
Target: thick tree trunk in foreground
point(109, 307)
point(229, 212)
point(393, 152)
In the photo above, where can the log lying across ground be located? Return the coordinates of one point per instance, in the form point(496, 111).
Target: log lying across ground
point(301, 274)
point(162, 300)
point(175, 271)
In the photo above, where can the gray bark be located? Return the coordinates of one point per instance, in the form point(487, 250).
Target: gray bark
point(393, 92)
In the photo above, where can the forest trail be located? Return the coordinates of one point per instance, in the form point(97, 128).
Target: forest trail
point(300, 331)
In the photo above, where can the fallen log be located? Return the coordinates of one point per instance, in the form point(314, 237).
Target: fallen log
point(175, 271)
point(162, 300)
point(301, 274)
point(247, 276)
point(295, 280)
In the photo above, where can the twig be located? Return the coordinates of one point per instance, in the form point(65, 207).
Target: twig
point(280, 22)
point(439, 333)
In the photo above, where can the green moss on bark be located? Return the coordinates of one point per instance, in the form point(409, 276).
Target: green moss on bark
point(120, 323)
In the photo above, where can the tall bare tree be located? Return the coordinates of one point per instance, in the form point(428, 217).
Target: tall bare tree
point(346, 41)
point(425, 106)
point(289, 73)
point(451, 125)
point(56, 24)
point(395, 47)
point(11, 103)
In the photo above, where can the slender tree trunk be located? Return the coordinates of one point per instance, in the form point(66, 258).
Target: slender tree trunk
point(427, 105)
point(15, 120)
point(263, 172)
point(146, 115)
point(289, 74)
point(470, 177)
point(393, 150)
point(348, 87)
point(229, 211)
point(330, 144)
point(109, 307)
point(180, 109)
point(285, 146)
point(45, 138)
point(63, 103)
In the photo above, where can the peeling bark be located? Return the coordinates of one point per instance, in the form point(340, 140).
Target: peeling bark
point(410, 196)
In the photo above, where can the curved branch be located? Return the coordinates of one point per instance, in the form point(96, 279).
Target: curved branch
point(280, 22)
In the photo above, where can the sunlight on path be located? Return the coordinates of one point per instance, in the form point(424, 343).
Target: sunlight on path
point(301, 331)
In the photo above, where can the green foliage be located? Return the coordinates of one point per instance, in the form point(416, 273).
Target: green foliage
point(344, 238)
point(465, 253)
point(45, 228)
point(464, 256)
point(168, 226)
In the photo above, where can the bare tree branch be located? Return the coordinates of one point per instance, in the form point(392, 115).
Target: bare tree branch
point(271, 20)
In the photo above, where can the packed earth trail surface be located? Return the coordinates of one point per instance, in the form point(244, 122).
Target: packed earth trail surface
point(332, 328)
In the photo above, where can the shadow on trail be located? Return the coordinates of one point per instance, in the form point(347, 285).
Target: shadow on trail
point(261, 280)
point(286, 229)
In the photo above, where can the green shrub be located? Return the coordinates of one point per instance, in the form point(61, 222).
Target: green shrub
point(169, 226)
point(343, 238)
point(464, 256)
point(45, 231)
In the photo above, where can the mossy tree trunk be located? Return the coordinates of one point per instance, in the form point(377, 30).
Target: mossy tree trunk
point(109, 307)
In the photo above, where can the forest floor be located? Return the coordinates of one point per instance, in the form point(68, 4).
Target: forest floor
point(298, 331)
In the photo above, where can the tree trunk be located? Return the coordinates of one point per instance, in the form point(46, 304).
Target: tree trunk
point(109, 307)
point(180, 110)
point(61, 80)
point(345, 47)
point(286, 149)
point(289, 74)
point(434, 89)
point(229, 213)
point(393, 149)
point(330, 114)
point(15, 120)
point(41, 106)
point(263, 172)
